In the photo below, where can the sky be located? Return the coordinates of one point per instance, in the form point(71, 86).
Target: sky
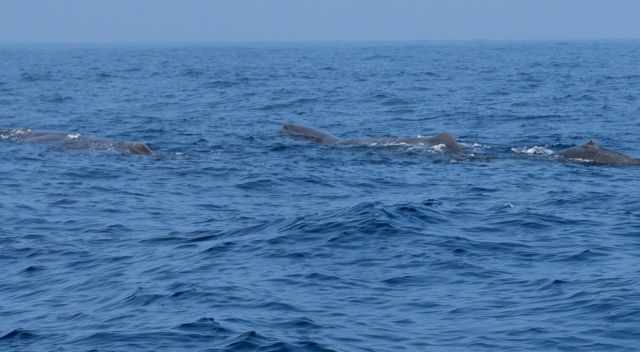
point(311, 20)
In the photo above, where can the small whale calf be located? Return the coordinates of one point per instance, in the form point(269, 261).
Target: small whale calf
point(447, 141)
point(592, 153)
point(73, 141)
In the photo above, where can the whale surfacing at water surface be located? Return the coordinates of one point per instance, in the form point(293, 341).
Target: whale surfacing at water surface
point(591, 152)
point(443, 139)
point(73, 141)
point(308, 134)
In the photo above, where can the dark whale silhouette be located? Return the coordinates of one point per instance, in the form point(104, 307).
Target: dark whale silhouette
point(445, 139)
point(592, 153)
point(589, 152)
point(73, 141)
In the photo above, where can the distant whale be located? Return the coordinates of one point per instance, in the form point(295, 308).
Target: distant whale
point(443, 139)
point(591, 152)
point(73, 141)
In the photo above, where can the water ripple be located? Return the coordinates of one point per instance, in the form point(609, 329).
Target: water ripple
point(237, 238)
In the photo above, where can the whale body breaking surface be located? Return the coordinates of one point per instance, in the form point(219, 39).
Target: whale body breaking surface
point(588, 153)
point(73, 141)
point(593, 153)
point(441, 142)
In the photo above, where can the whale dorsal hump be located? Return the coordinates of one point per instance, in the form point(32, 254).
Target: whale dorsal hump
point(449, 141)
point(591, 144)
point(139, 148)
point(445, 139)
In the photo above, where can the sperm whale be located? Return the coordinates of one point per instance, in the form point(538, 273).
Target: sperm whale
point(593, 153)
point(443, 139)
point(73, 141)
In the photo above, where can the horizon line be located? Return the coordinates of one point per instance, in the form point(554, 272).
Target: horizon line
point(305, 41)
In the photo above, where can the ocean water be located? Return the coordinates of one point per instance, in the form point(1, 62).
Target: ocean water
point(234, 237)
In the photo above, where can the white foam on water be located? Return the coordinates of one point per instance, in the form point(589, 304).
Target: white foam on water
point(389, 144)
point(475, 148)
point(580, 160)
point(535, 150)
point(15, 133)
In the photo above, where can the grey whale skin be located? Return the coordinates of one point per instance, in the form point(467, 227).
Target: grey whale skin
point(74, 141)
point(589, 152)
point(592, 153)
point(324, 138)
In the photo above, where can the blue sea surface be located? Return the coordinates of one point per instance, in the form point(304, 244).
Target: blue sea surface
point(235, 237)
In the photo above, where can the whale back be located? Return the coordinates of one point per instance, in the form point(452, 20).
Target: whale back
point(139, 149)
point(448, 140)
point(587, 151)
point(591, 152)
point(72, 141)
point(308, 133)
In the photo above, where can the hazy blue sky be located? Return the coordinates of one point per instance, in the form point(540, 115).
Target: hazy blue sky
point(283, 20)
